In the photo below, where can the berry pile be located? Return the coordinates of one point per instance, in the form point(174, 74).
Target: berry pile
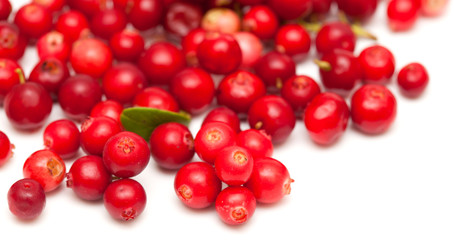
point(232, 60)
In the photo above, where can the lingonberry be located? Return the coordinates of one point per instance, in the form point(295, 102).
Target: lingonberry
point(222, 20)
point(122, 82)
point(161, 62)
point(402, 14)
point(194, 90)
point(95, 132)
point(125, 199)
point(88, 177)
point(77, 96)
point(145, 14)
point(257, 142)
point(219, 53)
point(358, 9)
point(63, 137)
point(53, 44)
point(172, 145)
point(126, 154)
point(127, 45)
point(225, 115)
point(197, 185)
point(6, 148)
point(156, 97)
point(5, 9)
point(251, 48)
point(51, 73)
point(262, 21)
point(87, 7)
point(270, 180)
point(182, 17)
point(274, 115)
point(378, 64)
point(321, 8)
point(274, 68)
point(212, 138)
point(326, 118)
point(233, 165)
point(91, 56)
point(291, 9)
point(373, 109)
point(190, 43)
point(12, 42)
point(46, 167)
point(73, 25)
point(299, 90)
point(433, 8)
point(107, 108)
point(107, 22)
point(333, 35)
point(26, 199)
point(293, 40)
point(33, 20)
point(11, 74)
point(413, 79)
point(235, 205)
point(28, 106)
point(51, 5)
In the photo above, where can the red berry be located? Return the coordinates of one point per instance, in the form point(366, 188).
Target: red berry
point(291, 9)
point(233, 165)
point(270, 180)
point(87, 7)
point(335, 35)
point(225, 115)
point(182, 17)
point(326, 118)
point(358, 9)
point(26, 199)
point(5, 9)
point(12, 42)
point(156, 97)
point(433, 8)
point(107, 22)
point(321, 8)
point(91, 56)
point(122, 82)
point(190, 43)
point(73, 25)
point(146, 14)
point(413, 79)
point(197, 185)
point(171, 145)
point(107, 108)
point(235, 205)
point(46, 167)
point(402, 14)
point(250, 2)
point(251, 48)
point(378, 64)
point(126, 154)
point(51, 73)
point(33, 20)
point(221, 20)
point(63, 137)
point(373, 109)
point(53, 44)
point(258, 143)
point(125, 199)
point(212, 138)
point(11, 74)
point(51, 5)
point(293, 40)
point(262, 21)
point(88, 177)
point(127, 45)
point(298, 91)
point(6, 148)
point(95, 132)
point(274, 68)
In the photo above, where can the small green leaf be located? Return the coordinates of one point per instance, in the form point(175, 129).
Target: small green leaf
point(143, 121)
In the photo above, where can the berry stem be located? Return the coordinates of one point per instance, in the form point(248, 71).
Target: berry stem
point(21, 75)
point(323, 65)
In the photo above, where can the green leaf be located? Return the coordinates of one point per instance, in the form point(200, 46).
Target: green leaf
point(143, 121)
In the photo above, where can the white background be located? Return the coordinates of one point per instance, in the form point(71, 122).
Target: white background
point(398, 185)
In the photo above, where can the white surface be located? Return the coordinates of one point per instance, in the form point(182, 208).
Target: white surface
point(399, 185)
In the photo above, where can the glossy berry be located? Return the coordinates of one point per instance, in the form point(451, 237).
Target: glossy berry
point(358, 9)
point(26, 199)
point(88, 177)
point(212, 138)
point(377, 63)
point(91, 57)
point(291, 9)
point(225, 115)
point(87, 7)
point(190, 43)
point(326, 118)
point(63, 137)
point(28, 106)
point(333, 35)
point(12, 41)
point(274, 115)
point(6, 148)
point(11, 74)
point(321, 8)
point(196, 185)
point(53, 44)
point(51, 5)
point(274, 68)
point(251, 48)
point(126, 154)
point(233, 165)
point(270, 180)
point(156, 97)
point(182, 17)
point(293, 40)
point(51, 73)
point(73, 25)
point(257, 142)
point(413, 79)
point(171, 145)
point(5, 9)
point(107, 22)
point(262, 21)
point(46, 167)
point(95, 132)
point(107, 108)
point(146, 14)
point(402, 14)
point(223, 20)
point(127, 45)
point(299, 90)
point(122, 82)
point(33, 20)
point(235, 205)
point(373, 109)
point(125, 199)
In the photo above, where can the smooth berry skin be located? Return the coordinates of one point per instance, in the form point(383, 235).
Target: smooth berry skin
point(63, 137)
point(107, 108)
point(10, 75)
point(212, 138)
point(239, 90)
point(51, 73)
point(219, 53)
point(6, 148)
point(251, 48)
point(107, 22)
point(126, 154)
point(172, 145)
point(28, 106)
point(196, 185)
point(12, 41)
point(33, 20)
point(125, 199)
point(274, 115)
point(321, 8)
point(52, 6)
point(299, 90)
point(257, 142)
point(73, 25)
point(235, 205)
point(291, 9)
point(77, 96)
point(270, 180)
point(233, 165)
point(146, 14)
point(326, 118)
point(127, 45)
point(225, 115)
point(161, 62)
point(262, 21)
point(91, 57)
point(87, 7)
point(122, 82)
point(182, 17)
point(378, 64)
point(373, 109)
point(412, 80)
point(433, 8)
point(274, 68)
point(46, 167)
point(156, 97)
point(223, 20)
point(190, 43)
point(293, 40)
point(5, 9)
point(26, 199)
point(95, 132)
point(358, 9)
point(402, 14)
point(88, 177)
point(53, 44)
point(334, 35)
point(194, 90)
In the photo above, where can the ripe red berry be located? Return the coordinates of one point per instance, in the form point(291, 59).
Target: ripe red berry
point(51, 5)
point(50, 73)
point(95, 132)
point(11, 74)
point(413, 79)
point(6, 148)
point(402, 14)
point(182, 17)
point(127, 45)
point(358, 9)
point(91, 56)
point(321, 8)
point(190, 43)
point(257, 142)
point(293, 40)
point(125, 199)
point(63, 137)
point(235, 205)
point(107, 108)
point(274, 68)
point(5, 9)
point(291, 9)
point(225, 115)
point(87, 7)
point(26, 199)
point(433, 8)
point(33, 20)
point(298, 91)
point(333, 35)
point(197, 185)
point(122, 82)
point(73, 25)
point(46, 167)
point(262, 21)
point(223, 20)
point(12, 41)
point(53, 44)
point(233, 165)
point(251, 48)
point(212, 138)
point(107, 22)
point(156, 97)
point(146, 14)
point(378, 64)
